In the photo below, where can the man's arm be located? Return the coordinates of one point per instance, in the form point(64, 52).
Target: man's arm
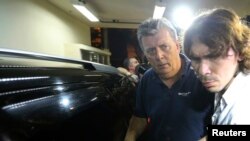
point(135, 129)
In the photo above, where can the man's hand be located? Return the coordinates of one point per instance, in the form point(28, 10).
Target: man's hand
point(124, 71)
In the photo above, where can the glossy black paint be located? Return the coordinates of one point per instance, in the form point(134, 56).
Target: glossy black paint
point(63, 103)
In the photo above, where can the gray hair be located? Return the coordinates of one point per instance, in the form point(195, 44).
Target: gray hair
point(152, 26)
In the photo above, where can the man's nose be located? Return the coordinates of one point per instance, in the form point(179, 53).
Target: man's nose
point(204, 67)
point(159, 53)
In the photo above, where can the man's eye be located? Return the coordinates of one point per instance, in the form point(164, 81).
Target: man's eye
point(195, 59)
point(150, 51)
point(164, 47)
point(211, 57)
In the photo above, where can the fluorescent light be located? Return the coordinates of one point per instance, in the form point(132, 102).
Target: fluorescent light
point(86, 13)
point(158, 12)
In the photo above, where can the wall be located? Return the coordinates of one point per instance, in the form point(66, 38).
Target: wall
point(39, 26)
point(74, 51)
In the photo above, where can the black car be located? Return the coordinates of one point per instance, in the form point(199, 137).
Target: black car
point(48, 98)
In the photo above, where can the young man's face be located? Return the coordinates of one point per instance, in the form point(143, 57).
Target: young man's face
point(162, 52)
point(214, 72)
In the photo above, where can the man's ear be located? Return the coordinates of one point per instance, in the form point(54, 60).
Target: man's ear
point(178, 44)
point(232, 52)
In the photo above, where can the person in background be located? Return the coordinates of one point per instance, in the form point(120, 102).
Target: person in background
point(171, 103)
point(130, 64)
point(129, 69)
point(126, 102)
point(218, 45)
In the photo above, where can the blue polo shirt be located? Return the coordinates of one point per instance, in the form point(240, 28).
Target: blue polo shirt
point(179, 113)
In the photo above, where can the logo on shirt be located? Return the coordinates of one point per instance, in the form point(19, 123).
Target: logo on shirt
point(184, 93)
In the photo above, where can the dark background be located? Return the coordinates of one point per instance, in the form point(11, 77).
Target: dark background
point(121, 43)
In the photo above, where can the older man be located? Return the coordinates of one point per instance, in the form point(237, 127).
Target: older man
point(171, 103)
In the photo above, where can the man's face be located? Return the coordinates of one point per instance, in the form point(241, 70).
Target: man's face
point(132, 64)
point(214, 72)
point(162, 52)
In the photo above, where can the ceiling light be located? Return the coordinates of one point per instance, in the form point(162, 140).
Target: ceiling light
point(158, 12)
point(183, 17)
point(86, 12)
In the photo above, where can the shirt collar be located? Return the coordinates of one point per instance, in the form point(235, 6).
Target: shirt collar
point(231, 94)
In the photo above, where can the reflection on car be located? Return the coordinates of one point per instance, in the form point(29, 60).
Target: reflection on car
point(53, 98)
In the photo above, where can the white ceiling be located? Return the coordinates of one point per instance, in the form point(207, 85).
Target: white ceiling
point(129, 13)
